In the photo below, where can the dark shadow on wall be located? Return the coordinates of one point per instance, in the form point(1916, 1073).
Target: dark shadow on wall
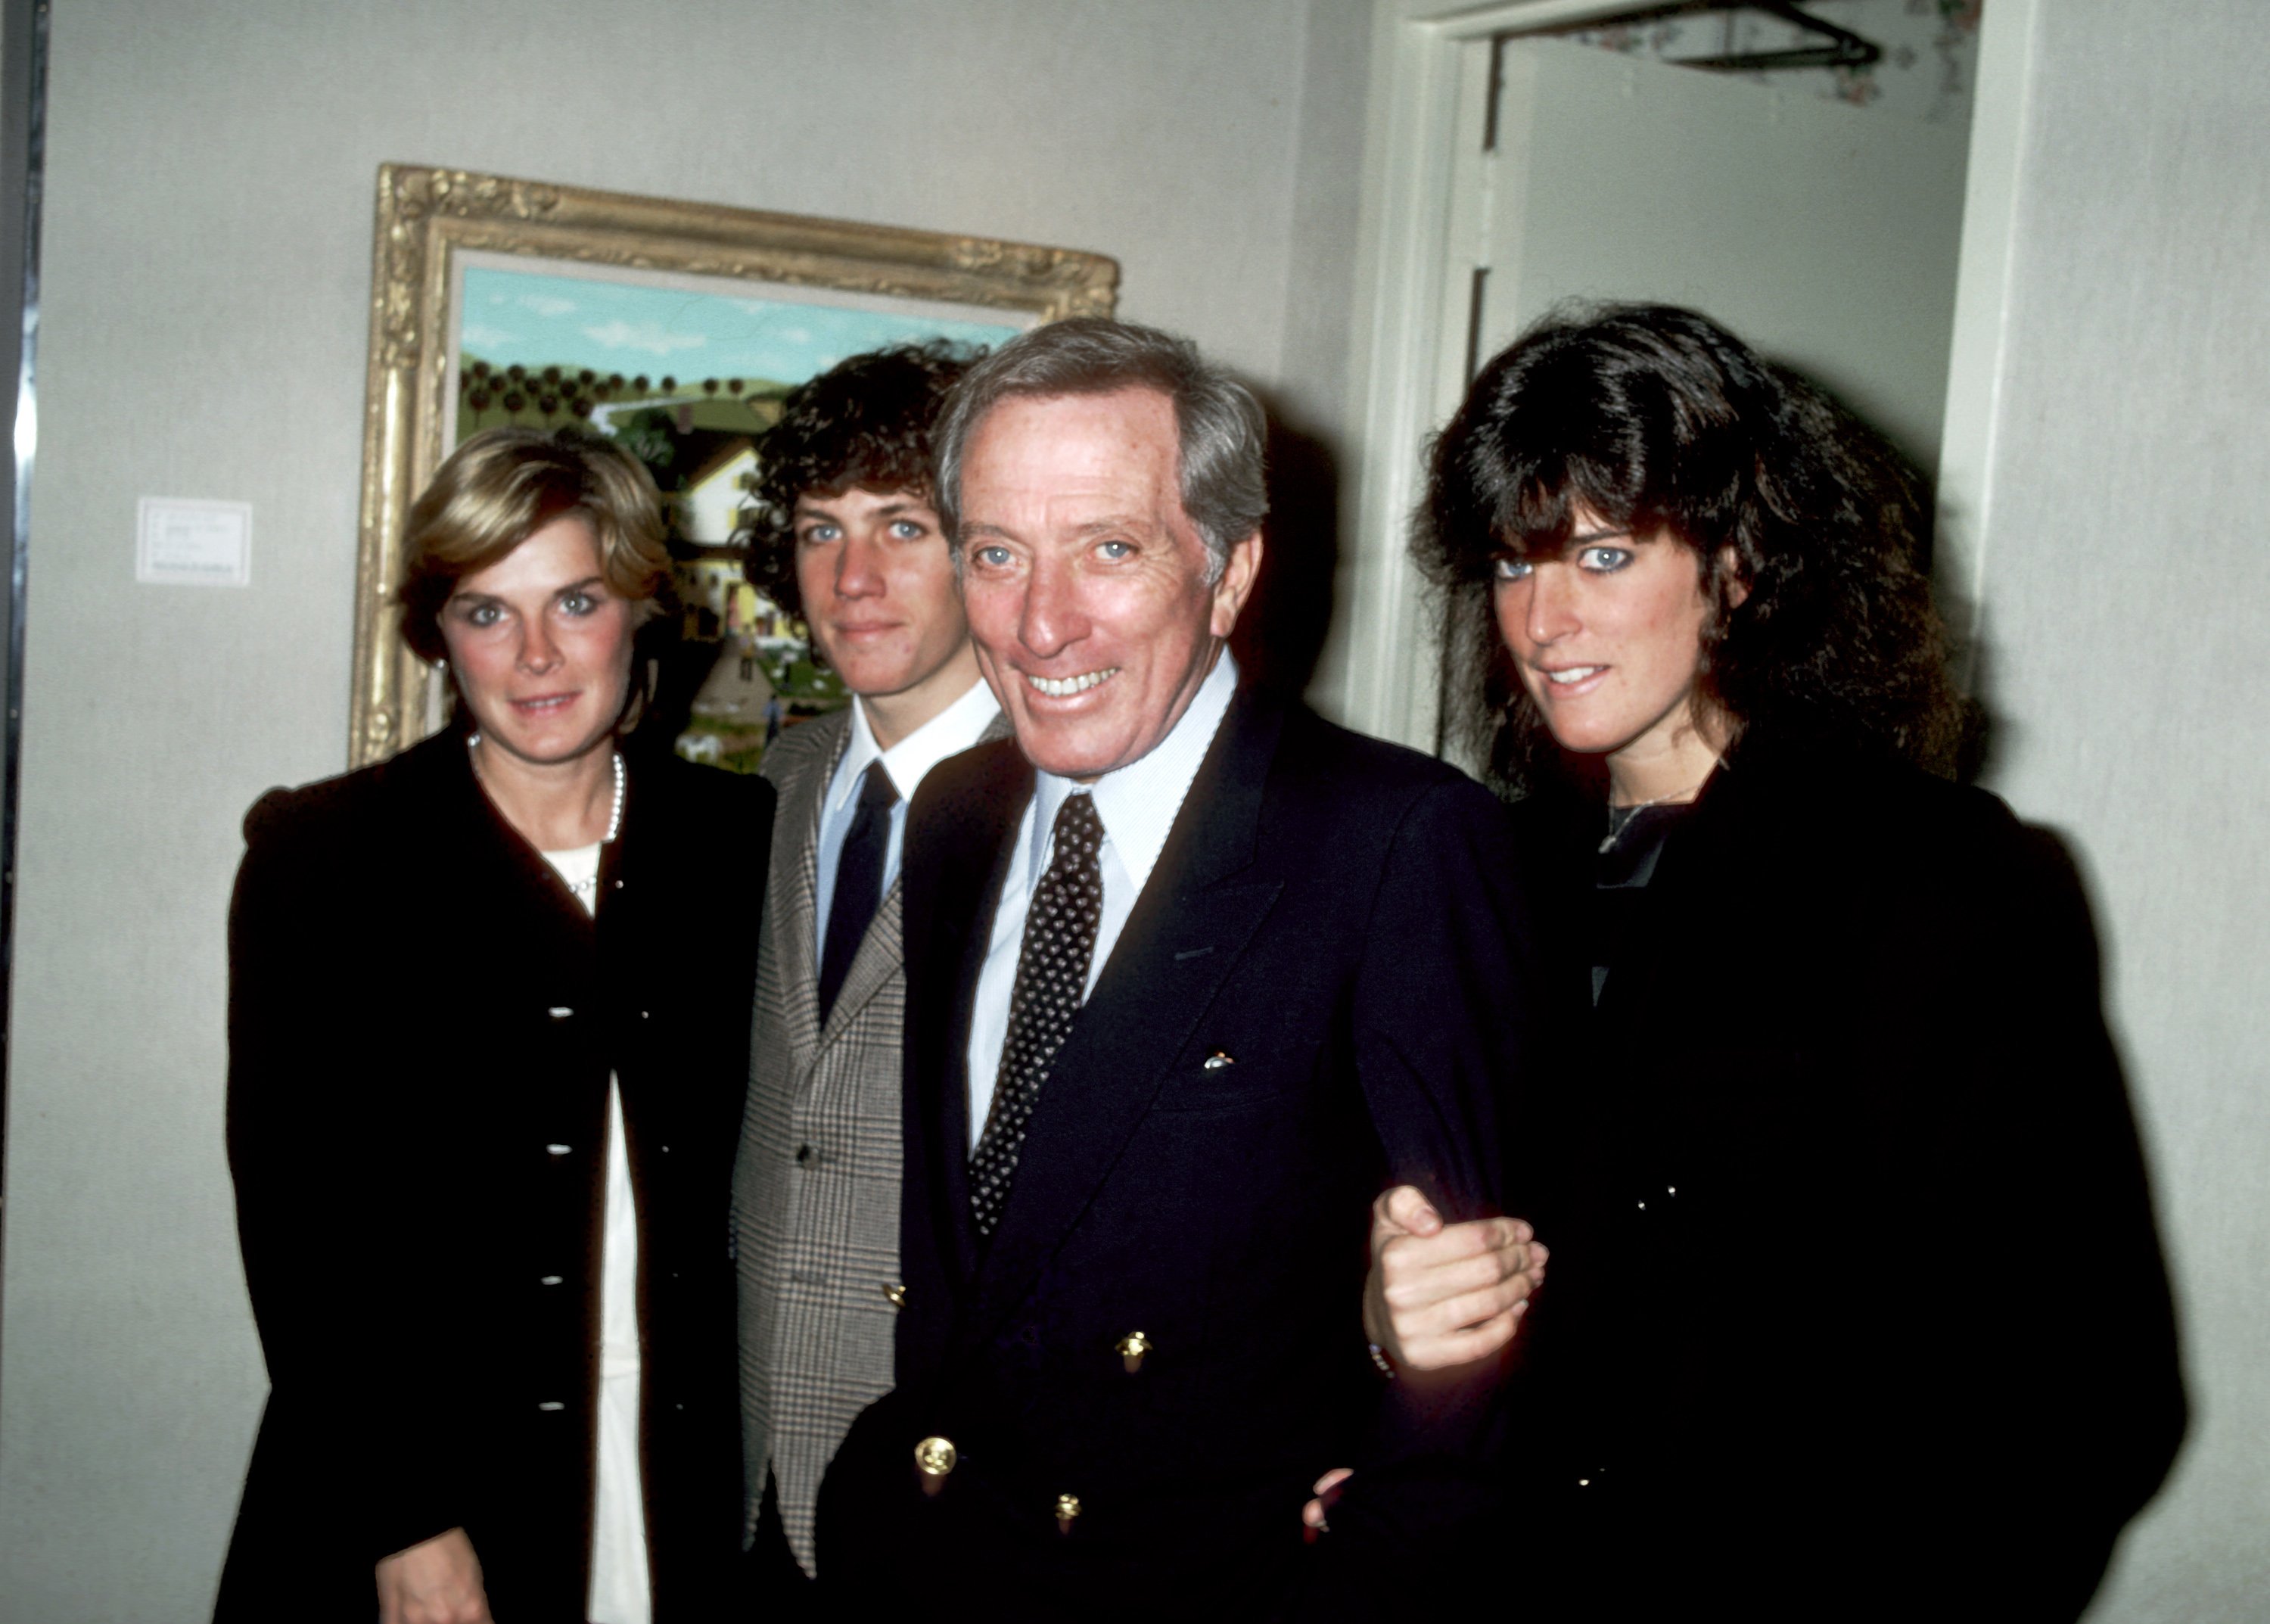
point(1983, 730)
point(1281, 635)
point(2116, 1174)
point(1969, 649)
point(2156, 1419)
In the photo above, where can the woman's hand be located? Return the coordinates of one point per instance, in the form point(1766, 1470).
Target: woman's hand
point(436, 1581)
point(1439, 1295)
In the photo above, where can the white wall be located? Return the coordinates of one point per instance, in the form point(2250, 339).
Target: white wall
point(210, 172)
point(207, 260)
point(2127, 638)
point(1824, 234)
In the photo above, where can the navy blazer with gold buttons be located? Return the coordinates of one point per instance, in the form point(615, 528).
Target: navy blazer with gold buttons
point(1322, 991)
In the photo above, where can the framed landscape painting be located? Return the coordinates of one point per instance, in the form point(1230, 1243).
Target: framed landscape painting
point(675, 328)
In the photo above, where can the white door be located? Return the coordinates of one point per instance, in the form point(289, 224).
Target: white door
point(1828, 235)
point(1823, 234)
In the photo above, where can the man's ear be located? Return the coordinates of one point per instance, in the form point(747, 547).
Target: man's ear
point(1235, 586)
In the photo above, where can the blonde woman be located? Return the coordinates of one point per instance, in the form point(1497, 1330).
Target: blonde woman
point(487, 1024)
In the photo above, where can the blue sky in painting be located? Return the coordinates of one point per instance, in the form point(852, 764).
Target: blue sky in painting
point(515, 316)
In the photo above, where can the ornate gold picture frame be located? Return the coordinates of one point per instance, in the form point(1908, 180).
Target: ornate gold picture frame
point(436, 226)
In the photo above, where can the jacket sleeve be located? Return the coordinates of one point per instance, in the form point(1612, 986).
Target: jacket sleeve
point(2048, 1342)
point(1443, 1031)
point(359, 1440)
point(2003, 1393)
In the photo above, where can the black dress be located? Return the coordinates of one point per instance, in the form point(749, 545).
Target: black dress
point(1857, 1308)
point(422, 1023)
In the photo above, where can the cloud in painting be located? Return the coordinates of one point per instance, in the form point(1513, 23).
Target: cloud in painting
point(651, 337)
point(520, 314)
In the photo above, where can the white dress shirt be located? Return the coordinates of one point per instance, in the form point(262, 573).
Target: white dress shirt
point(950, 732)
point(1136, 804)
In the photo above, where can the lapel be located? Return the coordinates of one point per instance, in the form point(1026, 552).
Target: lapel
point(1701, 877)
point(960, 846)
point(882, 950)
point(880, 954)
point(640, 900)
point(1194, 916)
point(802, 790)
point(497, 875)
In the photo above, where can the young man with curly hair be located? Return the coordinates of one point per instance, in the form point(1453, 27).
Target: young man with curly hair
point(845, 534)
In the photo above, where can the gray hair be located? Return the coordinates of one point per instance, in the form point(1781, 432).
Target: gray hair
point(1219, 425)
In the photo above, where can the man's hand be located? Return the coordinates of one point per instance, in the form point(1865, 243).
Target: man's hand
point(1312, 1514)
point(1440, 1295)
point(437, 1581)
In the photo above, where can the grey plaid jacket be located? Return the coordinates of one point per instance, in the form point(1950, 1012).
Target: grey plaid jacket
point(816, 1184)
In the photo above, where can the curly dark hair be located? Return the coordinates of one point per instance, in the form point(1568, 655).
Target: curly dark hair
point(1657, 419)
point(865, 422)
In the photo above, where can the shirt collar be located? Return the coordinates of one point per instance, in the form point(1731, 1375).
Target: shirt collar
point(1137, 802)
point(907, 763)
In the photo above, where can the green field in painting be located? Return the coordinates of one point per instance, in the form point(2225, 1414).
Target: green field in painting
point(551, 397)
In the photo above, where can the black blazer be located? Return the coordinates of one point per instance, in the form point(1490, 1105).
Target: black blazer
point(1857, 1309)
point(1334, 916)
point(422, 1021)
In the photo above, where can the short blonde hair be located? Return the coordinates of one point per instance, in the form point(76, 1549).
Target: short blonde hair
point(503, 485)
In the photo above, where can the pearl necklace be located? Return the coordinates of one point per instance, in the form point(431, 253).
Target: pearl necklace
point(614, 811)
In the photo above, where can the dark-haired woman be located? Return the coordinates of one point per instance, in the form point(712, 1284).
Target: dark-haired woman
point(1831, 1012)
point(487, 1029)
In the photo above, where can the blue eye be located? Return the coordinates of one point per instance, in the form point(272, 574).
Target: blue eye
point(481, 614)
point(909, 529)
point(1115, 549)
point(992, 557)
point(1511, 568)
point(1604, 561)
point(578, 604)
point(817, 535)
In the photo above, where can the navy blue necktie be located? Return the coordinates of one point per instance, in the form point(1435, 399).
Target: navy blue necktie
point(858, 883)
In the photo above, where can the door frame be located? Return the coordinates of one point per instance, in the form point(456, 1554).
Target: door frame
point(1379, 671)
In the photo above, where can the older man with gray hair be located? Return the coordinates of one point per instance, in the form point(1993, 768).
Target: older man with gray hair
point(1193, 977)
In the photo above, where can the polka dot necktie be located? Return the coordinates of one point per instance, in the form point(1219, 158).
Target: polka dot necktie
point(1052, 984)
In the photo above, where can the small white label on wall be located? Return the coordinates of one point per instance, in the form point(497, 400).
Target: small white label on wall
point(180, 541)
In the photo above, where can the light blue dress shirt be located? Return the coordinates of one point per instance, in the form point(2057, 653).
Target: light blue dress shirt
point(950, 732)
